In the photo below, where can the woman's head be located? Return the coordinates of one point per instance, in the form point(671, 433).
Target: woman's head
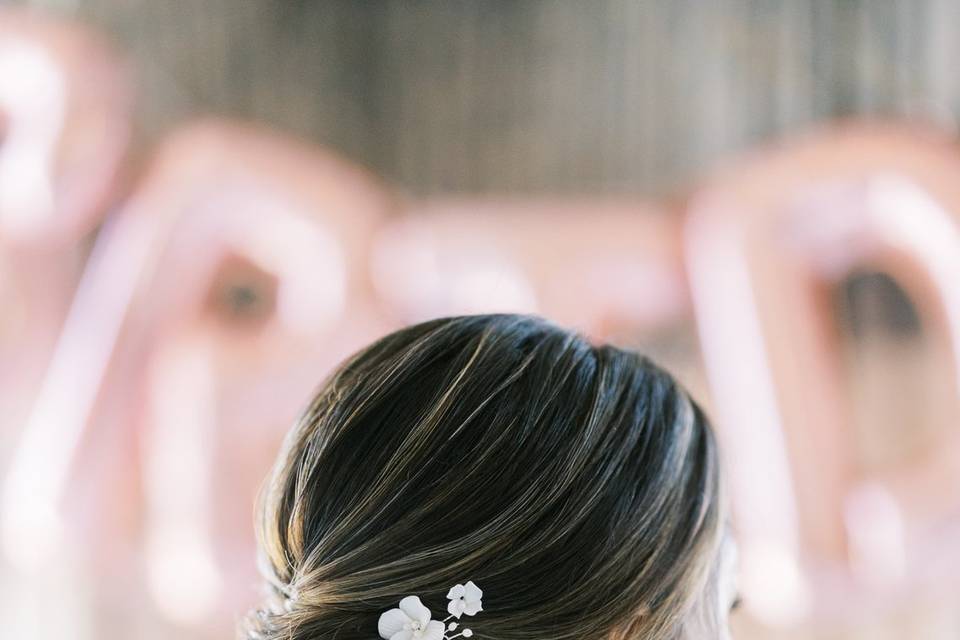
point(576, 484)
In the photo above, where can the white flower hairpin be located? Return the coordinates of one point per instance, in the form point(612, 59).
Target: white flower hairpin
point(412, 621)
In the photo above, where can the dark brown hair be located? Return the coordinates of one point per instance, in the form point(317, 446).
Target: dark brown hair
point(576, 484)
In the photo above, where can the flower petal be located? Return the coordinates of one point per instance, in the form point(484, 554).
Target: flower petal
point(472, 591)
point(455, 607)
point(456, 591)
point(412, 606)
point(391, 622)
point(472, 608)
point(433, 631)
point(406, 634)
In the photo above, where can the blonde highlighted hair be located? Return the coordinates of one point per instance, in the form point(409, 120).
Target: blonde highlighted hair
point(577, 484)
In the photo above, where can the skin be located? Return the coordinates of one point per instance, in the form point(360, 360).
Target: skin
point(710, 619)
point(727, 586)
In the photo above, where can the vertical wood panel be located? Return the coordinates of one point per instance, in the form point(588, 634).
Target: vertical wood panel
point(540, 95)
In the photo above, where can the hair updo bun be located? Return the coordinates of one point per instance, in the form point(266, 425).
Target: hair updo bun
point(578, 484)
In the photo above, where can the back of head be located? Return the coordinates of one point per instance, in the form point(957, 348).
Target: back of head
point(576, 484)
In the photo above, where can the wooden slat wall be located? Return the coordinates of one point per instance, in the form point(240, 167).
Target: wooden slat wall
point(600, 96)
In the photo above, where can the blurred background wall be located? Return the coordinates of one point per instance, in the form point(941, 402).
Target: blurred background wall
point(607, 96)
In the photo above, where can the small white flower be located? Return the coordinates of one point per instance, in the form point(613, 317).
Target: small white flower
point(410, 622)
point(465, 599)
point(467, 633)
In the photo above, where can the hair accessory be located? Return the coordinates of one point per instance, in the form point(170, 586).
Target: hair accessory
point(412, 621)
